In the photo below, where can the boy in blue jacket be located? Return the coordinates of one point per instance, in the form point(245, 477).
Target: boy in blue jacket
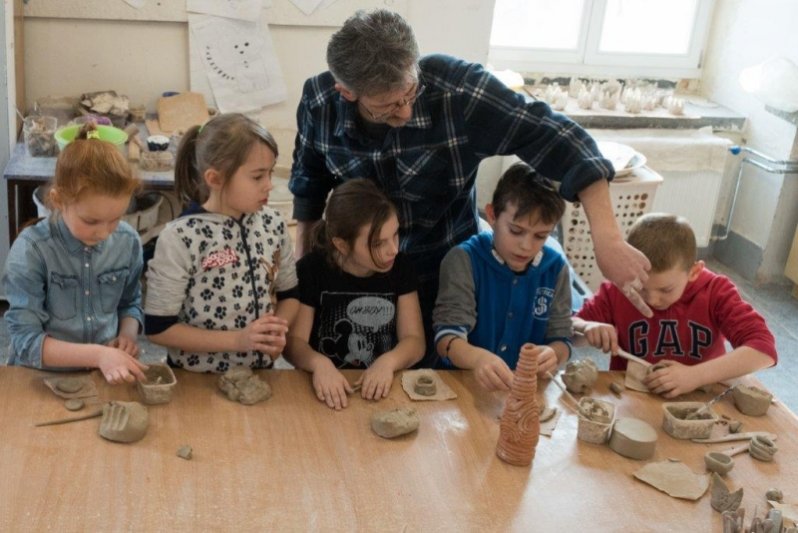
point(503, 288)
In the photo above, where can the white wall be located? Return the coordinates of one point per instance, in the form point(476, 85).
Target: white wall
point(143, 59)
point(745, 33)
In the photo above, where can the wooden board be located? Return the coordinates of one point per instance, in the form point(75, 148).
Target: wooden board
point(181, 112)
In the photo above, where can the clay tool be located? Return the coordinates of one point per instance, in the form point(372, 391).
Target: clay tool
point(568, 395)
point(67, 420)
point(695, 414)
point(737, 436)
point(356, 387)
point(633, 358)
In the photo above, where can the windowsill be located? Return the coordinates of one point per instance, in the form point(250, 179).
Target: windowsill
point(698, 113)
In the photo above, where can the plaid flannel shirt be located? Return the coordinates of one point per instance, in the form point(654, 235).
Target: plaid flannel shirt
point(428, 167)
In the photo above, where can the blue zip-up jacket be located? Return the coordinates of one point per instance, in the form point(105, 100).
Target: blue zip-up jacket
point(497, 309)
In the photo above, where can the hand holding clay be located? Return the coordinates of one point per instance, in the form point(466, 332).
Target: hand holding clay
point(377, 379)
point(126, 344)
point(547, 361)
point(118, 366)
point(265, 334)
point(492, 372)
point(602, 336)
point(672, 379)
point(625, 266)
point(330, 385)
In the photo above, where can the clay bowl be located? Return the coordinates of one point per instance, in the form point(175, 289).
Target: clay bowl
point(718, 462)
point(596, 427)
point(751, 401)
point(675, 425)
point(159, 385)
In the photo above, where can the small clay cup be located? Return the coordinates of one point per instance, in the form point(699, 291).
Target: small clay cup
point(751, 401)
point(718, 462)
point(159, 385)
point(675, 425)
point(595, 430)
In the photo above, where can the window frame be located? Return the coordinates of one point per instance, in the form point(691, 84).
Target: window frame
point(587, 59)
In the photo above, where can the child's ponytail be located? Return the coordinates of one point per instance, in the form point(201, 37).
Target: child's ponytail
point(189, 185)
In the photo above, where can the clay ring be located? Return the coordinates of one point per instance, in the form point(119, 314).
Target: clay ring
point(425, 386)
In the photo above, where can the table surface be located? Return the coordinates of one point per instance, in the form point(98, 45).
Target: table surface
point(22, 167)
point(292, 463)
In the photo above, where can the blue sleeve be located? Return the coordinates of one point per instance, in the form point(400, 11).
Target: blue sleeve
point(130, 303)
point(310, 180)
point(25, 284)
point(500, 122)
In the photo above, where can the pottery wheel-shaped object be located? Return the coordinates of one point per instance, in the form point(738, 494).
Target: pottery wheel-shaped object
point(633, 438)
point(124, 421)
point(69, 385)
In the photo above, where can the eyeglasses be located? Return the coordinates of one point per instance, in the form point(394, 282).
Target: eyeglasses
point(388, 110)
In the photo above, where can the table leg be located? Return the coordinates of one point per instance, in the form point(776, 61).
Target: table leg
point(13, 223)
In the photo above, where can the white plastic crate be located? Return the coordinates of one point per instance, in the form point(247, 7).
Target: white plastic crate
point(632, 196)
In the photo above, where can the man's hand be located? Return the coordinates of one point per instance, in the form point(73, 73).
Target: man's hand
point(626, 267)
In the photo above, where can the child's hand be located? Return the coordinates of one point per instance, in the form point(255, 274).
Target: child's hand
point(673, 380)
point(330, 385)
point(265, 334)
point(492, 372)
point(602, 336)
point(118, 366)
point(547, 360)
point(126, 344)
point(377, 379)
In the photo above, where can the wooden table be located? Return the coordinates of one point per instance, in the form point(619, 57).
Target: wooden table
point(293, 464)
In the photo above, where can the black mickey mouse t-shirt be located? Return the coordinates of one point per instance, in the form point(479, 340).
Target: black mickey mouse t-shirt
point(355, 318)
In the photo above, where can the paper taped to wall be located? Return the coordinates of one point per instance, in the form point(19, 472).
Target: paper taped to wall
point(239, 63)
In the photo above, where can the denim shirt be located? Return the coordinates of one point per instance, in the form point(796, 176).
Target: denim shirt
point(58, 286)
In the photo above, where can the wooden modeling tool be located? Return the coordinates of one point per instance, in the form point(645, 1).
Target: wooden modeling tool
point(633, 358)
point(568, 394)
point(701, 410)
point(69, 419)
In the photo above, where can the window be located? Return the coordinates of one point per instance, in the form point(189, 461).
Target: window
point(601, 37)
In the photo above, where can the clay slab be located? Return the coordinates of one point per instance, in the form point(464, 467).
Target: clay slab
point(674, 479)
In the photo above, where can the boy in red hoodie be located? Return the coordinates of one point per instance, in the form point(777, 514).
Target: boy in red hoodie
point(695, 312)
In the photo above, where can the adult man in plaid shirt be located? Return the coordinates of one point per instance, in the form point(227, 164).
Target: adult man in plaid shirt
point(419, 127)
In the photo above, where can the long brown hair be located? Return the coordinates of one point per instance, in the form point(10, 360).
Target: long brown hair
point(223, 143)
point(91, 165)
point(352, 205)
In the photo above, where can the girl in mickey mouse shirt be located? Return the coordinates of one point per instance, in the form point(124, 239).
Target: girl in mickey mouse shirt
point(221, 289)
point(358, 298)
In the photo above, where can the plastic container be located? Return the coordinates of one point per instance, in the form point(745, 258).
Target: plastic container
point(595, 429)
point(675, 423)
point(158, 387)
point(113, 135)
point(39, 135)
point(631, 197)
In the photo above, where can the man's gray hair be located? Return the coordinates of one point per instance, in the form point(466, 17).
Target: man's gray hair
point(373, 53)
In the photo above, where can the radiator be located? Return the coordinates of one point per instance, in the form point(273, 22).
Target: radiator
point(692, 163)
